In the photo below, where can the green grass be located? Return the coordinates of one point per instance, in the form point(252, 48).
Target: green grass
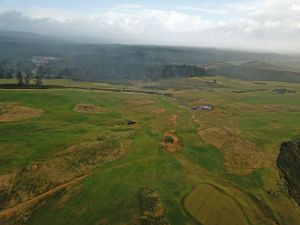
point(207, 157)
point(109, 195)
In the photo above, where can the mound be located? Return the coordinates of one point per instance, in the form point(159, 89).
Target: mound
point(88, 108)
point(140, 102)
point(151, 209)
point(210, 206)
point(171, 142)
point(289, 164)
point(240, 156)
point(16, 112)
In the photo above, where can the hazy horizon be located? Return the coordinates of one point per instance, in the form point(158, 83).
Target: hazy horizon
point(267, 25)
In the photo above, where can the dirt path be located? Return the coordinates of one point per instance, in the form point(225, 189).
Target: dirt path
point(23, 207)
point(27, 205)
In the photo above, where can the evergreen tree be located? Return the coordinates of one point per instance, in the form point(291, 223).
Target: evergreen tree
point(27, 79)
point(19, 77)
point(38, 80)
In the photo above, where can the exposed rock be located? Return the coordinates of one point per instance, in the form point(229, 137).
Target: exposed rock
point(288, 162)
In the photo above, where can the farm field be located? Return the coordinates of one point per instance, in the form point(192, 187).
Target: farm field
point(85, 156)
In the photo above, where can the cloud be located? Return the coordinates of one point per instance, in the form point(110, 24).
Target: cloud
point(262, 25)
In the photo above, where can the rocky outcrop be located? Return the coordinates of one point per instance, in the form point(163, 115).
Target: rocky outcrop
point(289, 163)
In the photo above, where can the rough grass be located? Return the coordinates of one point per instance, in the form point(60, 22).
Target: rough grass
point(209, 205)
point(109, 194)
point(88, 108)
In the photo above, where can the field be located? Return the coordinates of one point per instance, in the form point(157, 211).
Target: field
point(86, 156)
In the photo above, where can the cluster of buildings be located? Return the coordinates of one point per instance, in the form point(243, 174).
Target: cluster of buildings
point(42, 60)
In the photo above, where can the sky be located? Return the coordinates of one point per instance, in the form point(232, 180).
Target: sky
point(262, 25)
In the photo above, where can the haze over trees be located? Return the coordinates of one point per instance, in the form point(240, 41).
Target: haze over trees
point(102, 62)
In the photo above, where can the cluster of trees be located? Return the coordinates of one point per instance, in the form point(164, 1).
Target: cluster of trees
point(169, 71)
point(115, 71)
point(25, 79)
point(22, 72)
point(284, 91)
point(91, 70)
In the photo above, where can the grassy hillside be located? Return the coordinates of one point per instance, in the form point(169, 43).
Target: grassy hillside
point(258, 71)
point(100, 157)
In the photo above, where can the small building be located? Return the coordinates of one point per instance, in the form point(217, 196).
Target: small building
point(203, 107)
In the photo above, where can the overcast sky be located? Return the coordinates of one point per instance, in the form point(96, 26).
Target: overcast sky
point(261, 25)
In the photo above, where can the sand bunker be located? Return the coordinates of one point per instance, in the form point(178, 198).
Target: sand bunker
point(16, 112)
point(88, 108)
point(240, 156)
point(171, 142)
point(140, 102)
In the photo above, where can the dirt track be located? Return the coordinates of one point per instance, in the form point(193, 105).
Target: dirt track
point(27, 205)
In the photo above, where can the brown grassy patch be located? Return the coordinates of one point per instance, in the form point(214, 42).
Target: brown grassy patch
point(16, 112)
point(88, 108)
point(5, 180)
point(173, 119)
point(171, 142)
point(240, 156)
point(208, 205)
point(140, 102)
point(215, 135)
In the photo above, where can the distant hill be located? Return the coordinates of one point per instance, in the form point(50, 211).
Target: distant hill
point(123, 62)
point(257, 70)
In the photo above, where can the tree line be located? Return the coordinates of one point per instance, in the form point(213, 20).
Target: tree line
point(93, 70)
point(118, 71)
point(23, 73)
